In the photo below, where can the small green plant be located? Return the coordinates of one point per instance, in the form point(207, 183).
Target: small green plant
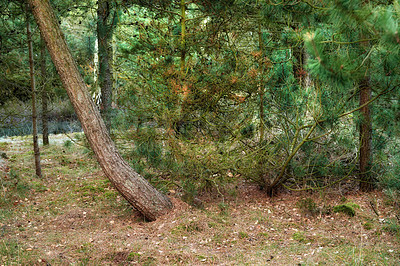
point(346, 208)
point(263, 234)
point(4, 145)
point(243, 235)
point(3, 155)
point(134, 256)
point(300, 237)
point(188, 227)
point(224, 208)
point(68, 143)
point(368, 225)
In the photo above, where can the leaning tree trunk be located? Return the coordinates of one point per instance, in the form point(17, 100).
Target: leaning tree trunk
point(36, 150)
point(130, 184)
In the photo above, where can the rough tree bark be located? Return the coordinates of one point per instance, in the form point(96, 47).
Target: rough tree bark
point(365, 133)
point(133, 187)
point(105, 29)
point(366, 183)
point(43, 73)
point(36, 150)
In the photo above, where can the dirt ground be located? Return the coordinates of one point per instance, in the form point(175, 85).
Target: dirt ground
point(73, 216)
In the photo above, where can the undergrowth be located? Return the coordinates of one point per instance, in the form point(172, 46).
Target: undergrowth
point(67, 217)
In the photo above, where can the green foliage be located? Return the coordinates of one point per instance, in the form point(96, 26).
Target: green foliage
point(263, 91)
point(222, 92)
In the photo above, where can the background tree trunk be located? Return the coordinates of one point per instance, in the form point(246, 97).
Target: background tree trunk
point(105, 28)
point(183, 38)
point(33, 88)
point(366, 183)
point(130, 184)
point(43, 73)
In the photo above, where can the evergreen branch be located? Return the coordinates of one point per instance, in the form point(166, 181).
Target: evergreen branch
point(314, 6)
point(167, 11)
point(351, 111)
point(200, 17)
point(280, 178)
point(320, 136)
point(353, 42)
point(312, 127)
point(283, 61)
point(310, 37)
point(323, 187)
point(365, 104)
point(365, 59)
point(275, 4)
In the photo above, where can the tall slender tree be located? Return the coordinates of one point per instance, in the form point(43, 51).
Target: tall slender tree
point(33, 88)
point(365, 131)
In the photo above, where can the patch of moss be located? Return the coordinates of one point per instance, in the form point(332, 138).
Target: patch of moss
point(347, 208)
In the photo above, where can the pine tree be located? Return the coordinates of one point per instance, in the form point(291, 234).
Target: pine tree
point(348, 50)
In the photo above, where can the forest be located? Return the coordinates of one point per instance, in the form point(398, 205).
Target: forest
point(227, 132)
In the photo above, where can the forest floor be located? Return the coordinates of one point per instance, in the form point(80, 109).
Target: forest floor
point(73, 216)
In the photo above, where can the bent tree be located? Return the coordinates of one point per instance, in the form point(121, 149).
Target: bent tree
point(133, 187)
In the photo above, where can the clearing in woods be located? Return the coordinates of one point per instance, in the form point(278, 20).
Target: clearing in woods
point(74, 216)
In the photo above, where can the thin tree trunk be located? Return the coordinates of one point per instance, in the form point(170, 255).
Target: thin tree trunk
point(105, 28)
point(261, 90)
point(365, 137)
point(183, 38)
point(43, 72)
point(130, 184)
point(33, 87)
point(366, 183)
